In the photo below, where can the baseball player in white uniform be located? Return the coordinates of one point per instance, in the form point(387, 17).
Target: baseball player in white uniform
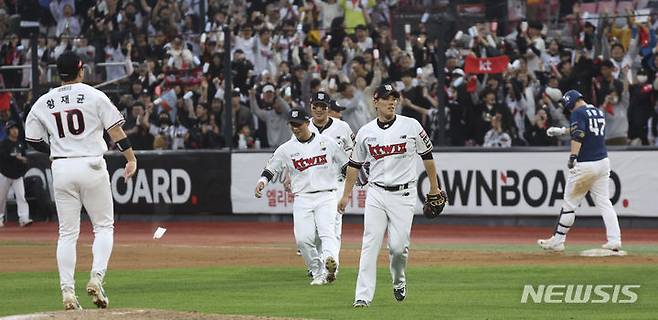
point(390, 144)
point(313, 162)
point(341, 132)
point(68, 122)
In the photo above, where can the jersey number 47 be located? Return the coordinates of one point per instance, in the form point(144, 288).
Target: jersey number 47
point(596, 125)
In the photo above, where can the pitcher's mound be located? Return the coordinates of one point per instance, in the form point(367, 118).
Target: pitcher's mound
point(602, 253)
point(137, 314)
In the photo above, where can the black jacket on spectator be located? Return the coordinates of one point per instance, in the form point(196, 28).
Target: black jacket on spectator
point(580, 79)
point(640, 110)
point(142, 139)
point(458, 123)
point(536, 136)
point(415, 95)
point(241, 74)
point(480, 121)
point(11, 167)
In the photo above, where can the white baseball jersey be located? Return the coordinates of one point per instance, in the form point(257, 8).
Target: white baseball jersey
point(312, 165)
point(339, 130)
point(72, 117)
point(391, 150)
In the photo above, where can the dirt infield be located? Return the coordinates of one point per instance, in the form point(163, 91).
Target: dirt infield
point(207, 244)
point(120, 314)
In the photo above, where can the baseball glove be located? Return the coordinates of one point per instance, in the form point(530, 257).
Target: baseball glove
point(434, 204)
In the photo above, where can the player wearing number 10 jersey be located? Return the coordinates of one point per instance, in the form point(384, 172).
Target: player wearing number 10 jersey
point(68, 122)
point(589, 171)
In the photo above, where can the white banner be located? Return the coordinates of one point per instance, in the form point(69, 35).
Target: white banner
point(483, 183)
point(245, 172)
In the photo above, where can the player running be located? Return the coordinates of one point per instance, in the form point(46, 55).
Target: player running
point(313, 162)
point(390, 143)
point(72, 119)
point(589, 171)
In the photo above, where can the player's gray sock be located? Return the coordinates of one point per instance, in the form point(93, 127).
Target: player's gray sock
point(564, 223)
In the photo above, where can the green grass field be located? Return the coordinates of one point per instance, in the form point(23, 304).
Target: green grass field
point(433, 292)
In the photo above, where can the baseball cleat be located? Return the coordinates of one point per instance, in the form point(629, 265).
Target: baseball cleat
point(309, 274)
point(299, 252)
point(613, 246)
point(360, 304)
point(95, 290)
point(25, 223)
point(551, 244)
point(70, 300)
point(331, 266)
point(319, 281)
point(400, 294)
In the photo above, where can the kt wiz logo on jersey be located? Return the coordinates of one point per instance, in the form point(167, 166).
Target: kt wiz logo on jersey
point(303, 164)
point(379, 152)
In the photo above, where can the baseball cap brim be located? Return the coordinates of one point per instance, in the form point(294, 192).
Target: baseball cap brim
point(388, 93)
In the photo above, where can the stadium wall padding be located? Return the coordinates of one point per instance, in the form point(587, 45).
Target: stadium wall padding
point(478, 182)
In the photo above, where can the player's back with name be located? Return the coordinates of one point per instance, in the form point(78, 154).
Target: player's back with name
point(591, 121)
point(73, 117)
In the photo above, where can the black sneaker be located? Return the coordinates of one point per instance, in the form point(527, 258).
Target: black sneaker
point(399, 294)
point(360, 304)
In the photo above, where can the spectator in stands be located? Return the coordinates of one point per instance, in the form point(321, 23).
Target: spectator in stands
point(329, 11)
point(67, 23)
point(640, 109)
point(535, 133)
point(273, 111)
point(242, 68)
point(480, 120)
point(355, 14)
point(615, 107)
point(496, 137)
point(204, 131)
point(180, 57)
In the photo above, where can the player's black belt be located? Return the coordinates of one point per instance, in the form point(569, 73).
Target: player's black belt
point(393, 188)
point(58, 158)
point(318, 191)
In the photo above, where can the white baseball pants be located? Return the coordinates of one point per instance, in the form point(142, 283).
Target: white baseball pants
point(81, 182)
point(392, 211)
point(339, 225)
point(18, 186)
point(593, 177)
point(316, 212)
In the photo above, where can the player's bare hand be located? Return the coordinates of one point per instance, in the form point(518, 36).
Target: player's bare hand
point(342, 204)
point(259, 189)
point(287, 184)
point(130, 169)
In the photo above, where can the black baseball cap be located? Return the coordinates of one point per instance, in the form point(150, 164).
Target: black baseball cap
point(386, 90)
point(68, 65)
point(321, 97)
point(298, 116)
point(10, 124)
point(336, 106)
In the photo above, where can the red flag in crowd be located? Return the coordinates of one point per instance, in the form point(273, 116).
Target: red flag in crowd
point(486, 65)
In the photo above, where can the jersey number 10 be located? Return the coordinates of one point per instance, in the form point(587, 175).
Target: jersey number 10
point(74, 128)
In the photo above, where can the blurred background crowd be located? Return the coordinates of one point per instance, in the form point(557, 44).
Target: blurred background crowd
point(162, 63)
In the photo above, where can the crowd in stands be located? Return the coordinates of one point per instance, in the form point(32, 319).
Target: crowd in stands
point(283, 51)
